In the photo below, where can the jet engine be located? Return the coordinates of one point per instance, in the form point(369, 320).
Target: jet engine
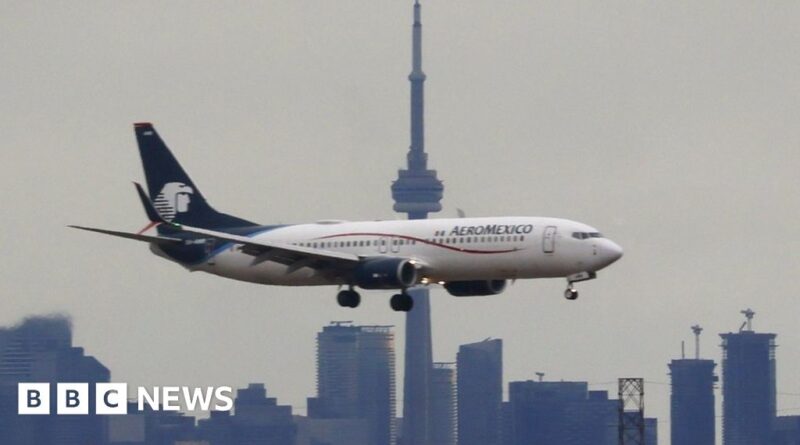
point(386, 273)
point(475, 288)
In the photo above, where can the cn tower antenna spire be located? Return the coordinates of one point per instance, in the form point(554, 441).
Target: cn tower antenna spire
point(417, 191)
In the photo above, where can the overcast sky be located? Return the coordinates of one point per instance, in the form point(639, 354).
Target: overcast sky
point(673, 127)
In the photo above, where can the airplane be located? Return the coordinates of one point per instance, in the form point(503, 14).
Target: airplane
point(467, 256)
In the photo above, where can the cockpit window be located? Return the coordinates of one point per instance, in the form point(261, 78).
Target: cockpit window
point(585, 235)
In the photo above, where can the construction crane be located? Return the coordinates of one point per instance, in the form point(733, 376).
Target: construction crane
point(697, 330)
point(748, 313)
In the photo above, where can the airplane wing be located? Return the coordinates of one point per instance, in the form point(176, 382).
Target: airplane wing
point(288, 254)
point(134, 236)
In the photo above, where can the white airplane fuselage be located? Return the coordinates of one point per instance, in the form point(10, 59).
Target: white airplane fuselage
point(469, 256)
point(463, 249)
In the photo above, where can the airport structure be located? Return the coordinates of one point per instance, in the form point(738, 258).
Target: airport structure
point(480, 392)
point(417, 192)
point(692, 402)
point(748, 385)
point(355, 378)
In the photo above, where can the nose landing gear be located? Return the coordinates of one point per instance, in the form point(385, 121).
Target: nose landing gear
point(571, 293)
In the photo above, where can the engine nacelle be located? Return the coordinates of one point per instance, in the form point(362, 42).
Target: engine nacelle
point(475, 288)
point(386, 273)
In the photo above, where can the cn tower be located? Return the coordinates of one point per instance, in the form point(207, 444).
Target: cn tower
point(417, 192)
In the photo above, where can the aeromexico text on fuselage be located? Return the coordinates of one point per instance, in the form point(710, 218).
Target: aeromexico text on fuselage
point(469, 256)
point(492, 229)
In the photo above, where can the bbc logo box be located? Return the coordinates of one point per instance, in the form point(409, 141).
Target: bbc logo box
point(72, 398)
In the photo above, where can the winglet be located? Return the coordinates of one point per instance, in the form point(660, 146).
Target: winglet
point(151, 211)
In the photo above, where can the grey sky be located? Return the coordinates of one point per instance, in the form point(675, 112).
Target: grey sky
point(674, 127)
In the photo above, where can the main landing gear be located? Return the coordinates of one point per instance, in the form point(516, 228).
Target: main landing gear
point(571, 293)
point(348, 298)
point(401, 302)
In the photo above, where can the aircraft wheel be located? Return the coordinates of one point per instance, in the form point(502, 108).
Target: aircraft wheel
point(571, 294)
point(348, 298)
point(401, 302)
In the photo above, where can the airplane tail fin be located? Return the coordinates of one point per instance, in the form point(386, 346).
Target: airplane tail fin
point(171, 190)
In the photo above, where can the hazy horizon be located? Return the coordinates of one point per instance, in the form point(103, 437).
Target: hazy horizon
point(673, 128)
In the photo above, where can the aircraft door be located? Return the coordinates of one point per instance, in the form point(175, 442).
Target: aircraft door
point(549, 239)
point(383, 244)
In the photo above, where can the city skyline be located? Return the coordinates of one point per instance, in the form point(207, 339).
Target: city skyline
point(647, 120)
point(355, 365)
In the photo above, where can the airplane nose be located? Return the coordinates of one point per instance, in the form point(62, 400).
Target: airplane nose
point(609, 252)
point(614, 251)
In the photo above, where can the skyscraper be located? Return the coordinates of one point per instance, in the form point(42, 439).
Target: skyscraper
point(40, 350)
point(748, 387)
point(443, 404)
point(692, 410)
point(417, 192)
point(257, 419)
point(355, 378)
point(480, 392)
point(561, 413)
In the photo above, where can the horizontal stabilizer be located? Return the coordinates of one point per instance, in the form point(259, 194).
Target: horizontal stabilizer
point(134, 236)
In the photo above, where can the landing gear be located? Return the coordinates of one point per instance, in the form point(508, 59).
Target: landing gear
point(348, 298)
point(571, 293)
point(401, 302)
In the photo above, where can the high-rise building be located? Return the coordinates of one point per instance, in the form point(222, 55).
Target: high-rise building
point(748, 387)
point(40, 350)
point(786, 431)
point(443, 430)
point(417, 192)
point(256, 420)
point(480, 392)
point(151, 427)
point(316, 431)
point(355, 378)
point(651, 431)
point(561, 413)
point(692, 407)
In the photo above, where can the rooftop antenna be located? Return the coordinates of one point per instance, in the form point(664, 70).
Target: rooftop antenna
point(683, 349)
point(697, 330)
point(748, 313)
point(540, 375)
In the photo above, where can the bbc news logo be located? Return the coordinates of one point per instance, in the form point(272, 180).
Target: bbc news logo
point(112, 398)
